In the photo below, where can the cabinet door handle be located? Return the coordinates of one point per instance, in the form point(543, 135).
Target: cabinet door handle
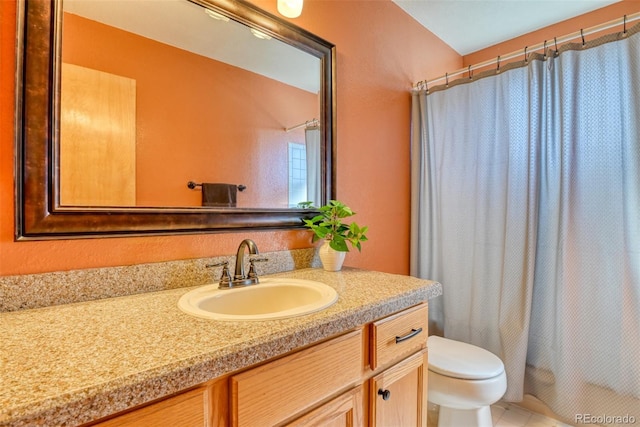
point(410, 335)
point(386, 394)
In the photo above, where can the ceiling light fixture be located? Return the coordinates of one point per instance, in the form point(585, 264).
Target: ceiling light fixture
point(216, 15)
point(260, 34)
point(290, 8)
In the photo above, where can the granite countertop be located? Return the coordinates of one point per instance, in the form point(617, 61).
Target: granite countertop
point(70, 364)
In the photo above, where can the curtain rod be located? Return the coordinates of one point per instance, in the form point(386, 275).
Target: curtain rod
point(555, 41)
point(312, 122)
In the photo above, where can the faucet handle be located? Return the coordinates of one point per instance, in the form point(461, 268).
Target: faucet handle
point(217, 264)
point(252, 267)
point(225, 277)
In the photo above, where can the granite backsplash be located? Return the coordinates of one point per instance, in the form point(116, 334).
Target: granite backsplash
point(64, 287)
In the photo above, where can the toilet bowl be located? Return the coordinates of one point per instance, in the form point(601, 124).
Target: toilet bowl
point(465, 381)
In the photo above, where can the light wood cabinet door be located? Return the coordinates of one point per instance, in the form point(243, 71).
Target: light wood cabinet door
point(273, 393)
point(188, 409)
point(343, 411)
point(398, 396)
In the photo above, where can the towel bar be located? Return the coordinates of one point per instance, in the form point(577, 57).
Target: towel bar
point(192, 185)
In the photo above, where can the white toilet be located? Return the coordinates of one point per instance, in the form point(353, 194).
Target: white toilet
point(465, 381)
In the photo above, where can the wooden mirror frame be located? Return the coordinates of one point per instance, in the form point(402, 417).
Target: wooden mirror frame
point(39, 215)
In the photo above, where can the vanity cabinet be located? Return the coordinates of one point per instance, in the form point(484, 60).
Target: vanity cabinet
point(398, 359)
point(375, 375)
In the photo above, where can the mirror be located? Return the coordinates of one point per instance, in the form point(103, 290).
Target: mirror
point(148, 138)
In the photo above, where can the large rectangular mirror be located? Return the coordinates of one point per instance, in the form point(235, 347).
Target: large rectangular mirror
point(169, 116)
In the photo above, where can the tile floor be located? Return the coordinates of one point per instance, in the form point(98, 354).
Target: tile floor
point(506, 415)
point(509, 415)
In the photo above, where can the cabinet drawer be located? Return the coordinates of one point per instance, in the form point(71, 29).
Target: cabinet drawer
point(276, 391)
point(398, 335)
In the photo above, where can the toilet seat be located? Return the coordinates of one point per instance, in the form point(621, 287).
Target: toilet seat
point(461, 360)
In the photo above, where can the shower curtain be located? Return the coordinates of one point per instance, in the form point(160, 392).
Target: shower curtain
point(526, 207)
point(314, 167)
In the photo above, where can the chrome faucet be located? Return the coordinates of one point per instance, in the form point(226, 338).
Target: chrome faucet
point(238, 277)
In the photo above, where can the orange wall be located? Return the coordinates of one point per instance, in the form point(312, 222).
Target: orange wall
point(193, 113)
point(381, 51)
point(596, 17)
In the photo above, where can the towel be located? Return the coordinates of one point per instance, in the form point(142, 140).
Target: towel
point(219, 195)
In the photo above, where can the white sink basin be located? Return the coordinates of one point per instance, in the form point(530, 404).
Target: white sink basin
point(272, 298)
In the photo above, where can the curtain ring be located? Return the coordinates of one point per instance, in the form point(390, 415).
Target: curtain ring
point(582, 35)
point(470, 73)
point(624, 25)
point(526, 60)
point(555, 41)
point(426, 85)
point(498, 67)
point(446, 76)
point(544, 50)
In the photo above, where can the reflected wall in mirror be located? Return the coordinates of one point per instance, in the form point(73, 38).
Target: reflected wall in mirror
point(149, 104)
point(117, 116)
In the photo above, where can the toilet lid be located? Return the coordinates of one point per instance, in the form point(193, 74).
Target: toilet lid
point(461, 360)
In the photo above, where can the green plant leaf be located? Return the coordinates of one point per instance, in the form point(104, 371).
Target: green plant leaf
point(329, 225)
point(338, 243)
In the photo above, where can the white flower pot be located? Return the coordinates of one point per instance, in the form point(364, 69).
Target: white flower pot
point(331, 259)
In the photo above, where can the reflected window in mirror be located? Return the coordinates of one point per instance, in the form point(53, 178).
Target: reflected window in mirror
point(297, 174)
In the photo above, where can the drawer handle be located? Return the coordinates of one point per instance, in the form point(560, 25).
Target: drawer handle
point(410, 335)
point(386, 394)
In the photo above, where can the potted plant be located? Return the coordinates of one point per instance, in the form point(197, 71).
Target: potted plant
point(336, 233)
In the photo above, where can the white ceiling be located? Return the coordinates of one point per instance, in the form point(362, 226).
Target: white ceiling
point(471, 25)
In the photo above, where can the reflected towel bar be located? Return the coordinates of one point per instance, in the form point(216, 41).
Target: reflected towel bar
point(192, 185)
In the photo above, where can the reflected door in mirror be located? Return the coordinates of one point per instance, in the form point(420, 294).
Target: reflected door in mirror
point(97, 138)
